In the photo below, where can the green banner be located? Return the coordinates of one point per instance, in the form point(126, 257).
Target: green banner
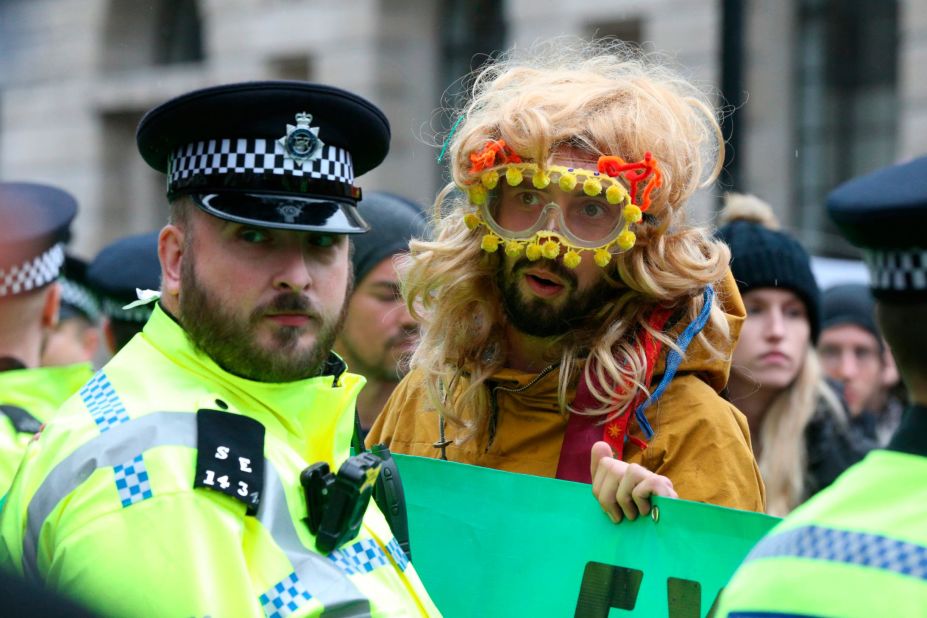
point(491, 543)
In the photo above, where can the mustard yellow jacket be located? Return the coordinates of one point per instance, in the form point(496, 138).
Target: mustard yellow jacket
point(701, 441)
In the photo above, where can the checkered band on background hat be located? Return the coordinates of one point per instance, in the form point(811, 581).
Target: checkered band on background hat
point(34, 226)
point(120, 269)
point(885, 214)
point(77, 297)
point(273, 154)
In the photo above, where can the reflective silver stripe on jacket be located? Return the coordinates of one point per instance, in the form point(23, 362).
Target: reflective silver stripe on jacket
point(322, 579)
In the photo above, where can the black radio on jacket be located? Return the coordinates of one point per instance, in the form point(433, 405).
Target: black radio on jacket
point(336, 503)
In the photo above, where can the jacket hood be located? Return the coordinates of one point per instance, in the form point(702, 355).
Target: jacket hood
point(711, 368)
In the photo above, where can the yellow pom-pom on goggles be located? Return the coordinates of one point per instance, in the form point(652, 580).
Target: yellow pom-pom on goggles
point(594, 213)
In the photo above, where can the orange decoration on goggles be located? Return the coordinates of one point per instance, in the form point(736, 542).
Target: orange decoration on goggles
point(646, 171)
point(486, 157)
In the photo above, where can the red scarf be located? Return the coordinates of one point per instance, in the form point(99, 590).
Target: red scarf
point(583, 430)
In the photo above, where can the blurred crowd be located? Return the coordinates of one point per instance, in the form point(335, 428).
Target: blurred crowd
point(554, 314)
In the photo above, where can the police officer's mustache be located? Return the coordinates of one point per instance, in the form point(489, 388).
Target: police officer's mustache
point(289, 303)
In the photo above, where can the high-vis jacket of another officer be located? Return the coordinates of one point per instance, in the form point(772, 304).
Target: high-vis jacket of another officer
point(168, 486)
point(857, 549)
point(28, 398)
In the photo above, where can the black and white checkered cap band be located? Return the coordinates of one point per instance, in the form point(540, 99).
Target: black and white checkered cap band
point(256, 156)
point(113, 309)
point(80, 297)
point(35, 273)
point(898, 270)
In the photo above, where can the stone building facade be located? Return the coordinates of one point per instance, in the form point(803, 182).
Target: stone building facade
point(76, 76)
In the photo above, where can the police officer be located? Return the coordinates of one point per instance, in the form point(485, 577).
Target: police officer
point(76, 337)
point(859, 548)
point(119, 273)
point(170, 485)
point(34, 225)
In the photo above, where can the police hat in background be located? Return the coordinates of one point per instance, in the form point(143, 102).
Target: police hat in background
point(885, 214)
point(393, 222)
point(128, 264)
point(35, 224)
point(77, 297)
point(274, 154)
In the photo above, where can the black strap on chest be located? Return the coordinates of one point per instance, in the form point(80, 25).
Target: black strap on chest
point(388, 492)
point(23, 422)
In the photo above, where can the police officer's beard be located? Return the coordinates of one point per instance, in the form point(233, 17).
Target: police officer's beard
point(542, 318)
point(230, 341)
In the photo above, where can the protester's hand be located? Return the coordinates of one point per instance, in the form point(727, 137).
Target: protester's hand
point(624, 489)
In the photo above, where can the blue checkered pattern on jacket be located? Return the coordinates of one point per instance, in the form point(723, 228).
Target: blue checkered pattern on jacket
point(284, 597)
point(103, 403)
point(859, 548)
point(360, 557)
point(398, 555)
point(132, 481)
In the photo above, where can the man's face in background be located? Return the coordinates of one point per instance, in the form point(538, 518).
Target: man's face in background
point(379, 335)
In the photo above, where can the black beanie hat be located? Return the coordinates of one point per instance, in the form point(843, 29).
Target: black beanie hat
point(766, 258)
point(850, 303)
point(393, 221)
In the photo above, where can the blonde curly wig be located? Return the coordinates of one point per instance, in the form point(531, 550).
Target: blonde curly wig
point(602, 98)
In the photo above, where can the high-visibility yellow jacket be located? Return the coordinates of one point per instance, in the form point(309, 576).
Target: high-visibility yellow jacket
point(858, 548)
point(39, 392)
point(104, 507)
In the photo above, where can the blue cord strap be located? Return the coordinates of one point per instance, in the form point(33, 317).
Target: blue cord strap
point(674, 358)
point(447, 140)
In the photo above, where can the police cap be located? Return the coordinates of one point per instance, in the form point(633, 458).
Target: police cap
point(280, 154)
point(35, 224)
point(885, 214)
point(77, 297)
point(127, 264)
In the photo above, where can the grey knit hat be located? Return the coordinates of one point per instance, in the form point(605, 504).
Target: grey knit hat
point(393, 221)
point(850, 303)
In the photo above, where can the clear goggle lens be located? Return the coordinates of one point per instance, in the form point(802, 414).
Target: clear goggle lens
point(585, 221)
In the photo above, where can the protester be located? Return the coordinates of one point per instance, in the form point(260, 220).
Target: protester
point(859, 548)
point(190, 476)
point(799, 426)
point(379, 334)
point(854, 355)
point(122, 270)
point(35, 224)
point(76, 338)
point(564, 293)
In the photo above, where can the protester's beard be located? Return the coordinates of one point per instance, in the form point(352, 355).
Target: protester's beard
point(230, 340)
point(543, 318)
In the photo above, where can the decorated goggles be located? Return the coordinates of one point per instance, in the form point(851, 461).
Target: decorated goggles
point(594, 214)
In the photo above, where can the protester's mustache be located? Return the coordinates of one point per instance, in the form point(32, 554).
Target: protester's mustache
point(555, 267)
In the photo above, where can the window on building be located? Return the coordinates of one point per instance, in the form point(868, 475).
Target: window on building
point(151, 33)
point(472, 31)
point(628, 30)
point(133, 193)
point(847, 104)
point(290, 67)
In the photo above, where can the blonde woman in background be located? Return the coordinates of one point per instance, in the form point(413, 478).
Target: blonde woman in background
point(798, 425)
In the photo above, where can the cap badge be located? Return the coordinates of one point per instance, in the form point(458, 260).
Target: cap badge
point(302, 142)
point(290, 212)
